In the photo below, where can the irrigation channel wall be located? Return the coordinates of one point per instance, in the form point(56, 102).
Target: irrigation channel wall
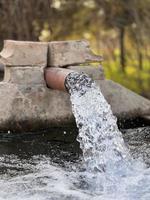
point(26, 104)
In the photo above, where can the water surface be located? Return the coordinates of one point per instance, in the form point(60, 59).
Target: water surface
point(34, 167)
point(97, 164)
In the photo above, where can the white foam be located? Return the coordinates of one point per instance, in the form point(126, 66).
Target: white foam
point(108, 171)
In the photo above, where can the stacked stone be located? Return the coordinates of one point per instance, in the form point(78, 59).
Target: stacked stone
point(26, 104)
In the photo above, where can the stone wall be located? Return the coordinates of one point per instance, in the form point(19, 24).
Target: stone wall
point(26, 104)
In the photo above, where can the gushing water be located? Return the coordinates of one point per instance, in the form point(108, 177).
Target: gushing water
point(100, 140)
point(107, 172)
point(106, 158)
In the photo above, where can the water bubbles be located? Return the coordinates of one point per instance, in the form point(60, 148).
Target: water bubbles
point(107, 171)
point(99, 136)
point(107, 160)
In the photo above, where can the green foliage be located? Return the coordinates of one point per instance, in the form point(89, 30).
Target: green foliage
point(133, 78)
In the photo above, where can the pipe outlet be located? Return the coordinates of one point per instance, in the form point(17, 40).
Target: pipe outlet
point(55, 77)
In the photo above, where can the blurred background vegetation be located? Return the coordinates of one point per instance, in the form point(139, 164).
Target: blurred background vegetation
point(117, 29)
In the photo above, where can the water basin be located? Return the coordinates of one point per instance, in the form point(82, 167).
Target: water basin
point(37, 166)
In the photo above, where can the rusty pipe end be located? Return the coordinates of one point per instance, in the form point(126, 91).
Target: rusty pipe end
point(55, 77)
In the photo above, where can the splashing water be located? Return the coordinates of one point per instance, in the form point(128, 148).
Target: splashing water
point(108, 171)
point(106, 158)
point(101, 141)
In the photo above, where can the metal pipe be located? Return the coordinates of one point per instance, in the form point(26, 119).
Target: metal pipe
point(55, 77)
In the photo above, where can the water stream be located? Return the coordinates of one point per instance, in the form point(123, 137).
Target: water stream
point(37, 167)
point(109, 167)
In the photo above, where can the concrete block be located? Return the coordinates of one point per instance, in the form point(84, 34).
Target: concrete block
point(125, 104)
point(64, 53)
point(28, 108)
point(33, 108)
point(24, 75)
point(23, 53)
